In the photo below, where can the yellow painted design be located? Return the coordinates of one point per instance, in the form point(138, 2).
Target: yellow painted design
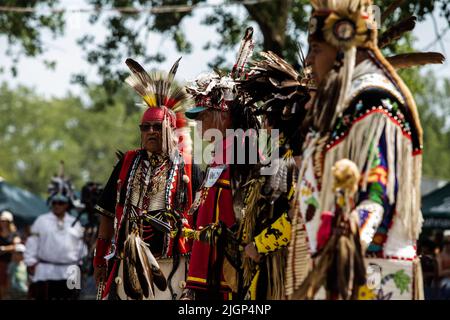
point(340, 201)
point(288, 154)
point(188, 234)
point(291, 192)
point(378, 174)
point(274, 237)
point(306, 192)
point(365, 293)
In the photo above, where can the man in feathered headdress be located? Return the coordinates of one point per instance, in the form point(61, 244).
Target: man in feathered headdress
point(214, 264)
point(362, 112)
point(266, 227)
point(144, 204)
point(55, 248)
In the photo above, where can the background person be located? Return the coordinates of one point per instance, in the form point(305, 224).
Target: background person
point(18, 276)
point(443, 263)
point(8, 241)
point(53, 249)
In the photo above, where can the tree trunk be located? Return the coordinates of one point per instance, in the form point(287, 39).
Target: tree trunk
point(272, 19)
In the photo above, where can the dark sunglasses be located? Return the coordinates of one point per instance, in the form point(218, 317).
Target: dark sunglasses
point(59, 203)
point(146, 127)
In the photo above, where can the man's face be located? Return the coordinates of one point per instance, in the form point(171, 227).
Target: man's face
point(59, 207)
point(213, 119)
point(204, 122)
point(321, 58)
point(151, 136)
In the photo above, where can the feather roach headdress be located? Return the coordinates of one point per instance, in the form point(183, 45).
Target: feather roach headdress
point(61, 188)
point(165, 100)
point(216, 90)
point(272, 78)
point(275, 89)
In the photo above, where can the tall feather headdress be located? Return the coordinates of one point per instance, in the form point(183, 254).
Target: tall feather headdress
point(157, 89)
point(166, 103)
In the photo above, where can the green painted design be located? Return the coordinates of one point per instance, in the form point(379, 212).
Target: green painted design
point(377, 159)
point(376, 193)
point(374, 154)
point(312, 201)
point(402, 281)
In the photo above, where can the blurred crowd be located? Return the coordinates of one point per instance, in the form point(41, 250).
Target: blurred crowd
point(13, 271)
point(43, 262)
point(435, 259)
point(18, 261)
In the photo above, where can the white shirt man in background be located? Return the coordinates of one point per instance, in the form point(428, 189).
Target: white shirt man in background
point(54, 252)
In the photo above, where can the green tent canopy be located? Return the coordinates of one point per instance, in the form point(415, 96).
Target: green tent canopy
point(24, 205)
point(436, 209)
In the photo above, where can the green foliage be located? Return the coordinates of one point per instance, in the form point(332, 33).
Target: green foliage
point(37, 133)
point(433, 102)
point(129, 36)
point(279, 21)
point(434, 107)
point(23, 30)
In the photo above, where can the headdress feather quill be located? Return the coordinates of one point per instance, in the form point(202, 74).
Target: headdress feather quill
point(415, 59)
point(397, 31)
point(245, 51)
point(411, 59)
point(390, 10)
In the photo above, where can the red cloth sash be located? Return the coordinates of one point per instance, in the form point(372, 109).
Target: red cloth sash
point(217, 206)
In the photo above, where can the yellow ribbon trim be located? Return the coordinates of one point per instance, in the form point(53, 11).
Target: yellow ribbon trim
point(200, 280)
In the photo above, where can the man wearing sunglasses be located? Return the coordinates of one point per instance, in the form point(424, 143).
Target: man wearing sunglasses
point(146, 201)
